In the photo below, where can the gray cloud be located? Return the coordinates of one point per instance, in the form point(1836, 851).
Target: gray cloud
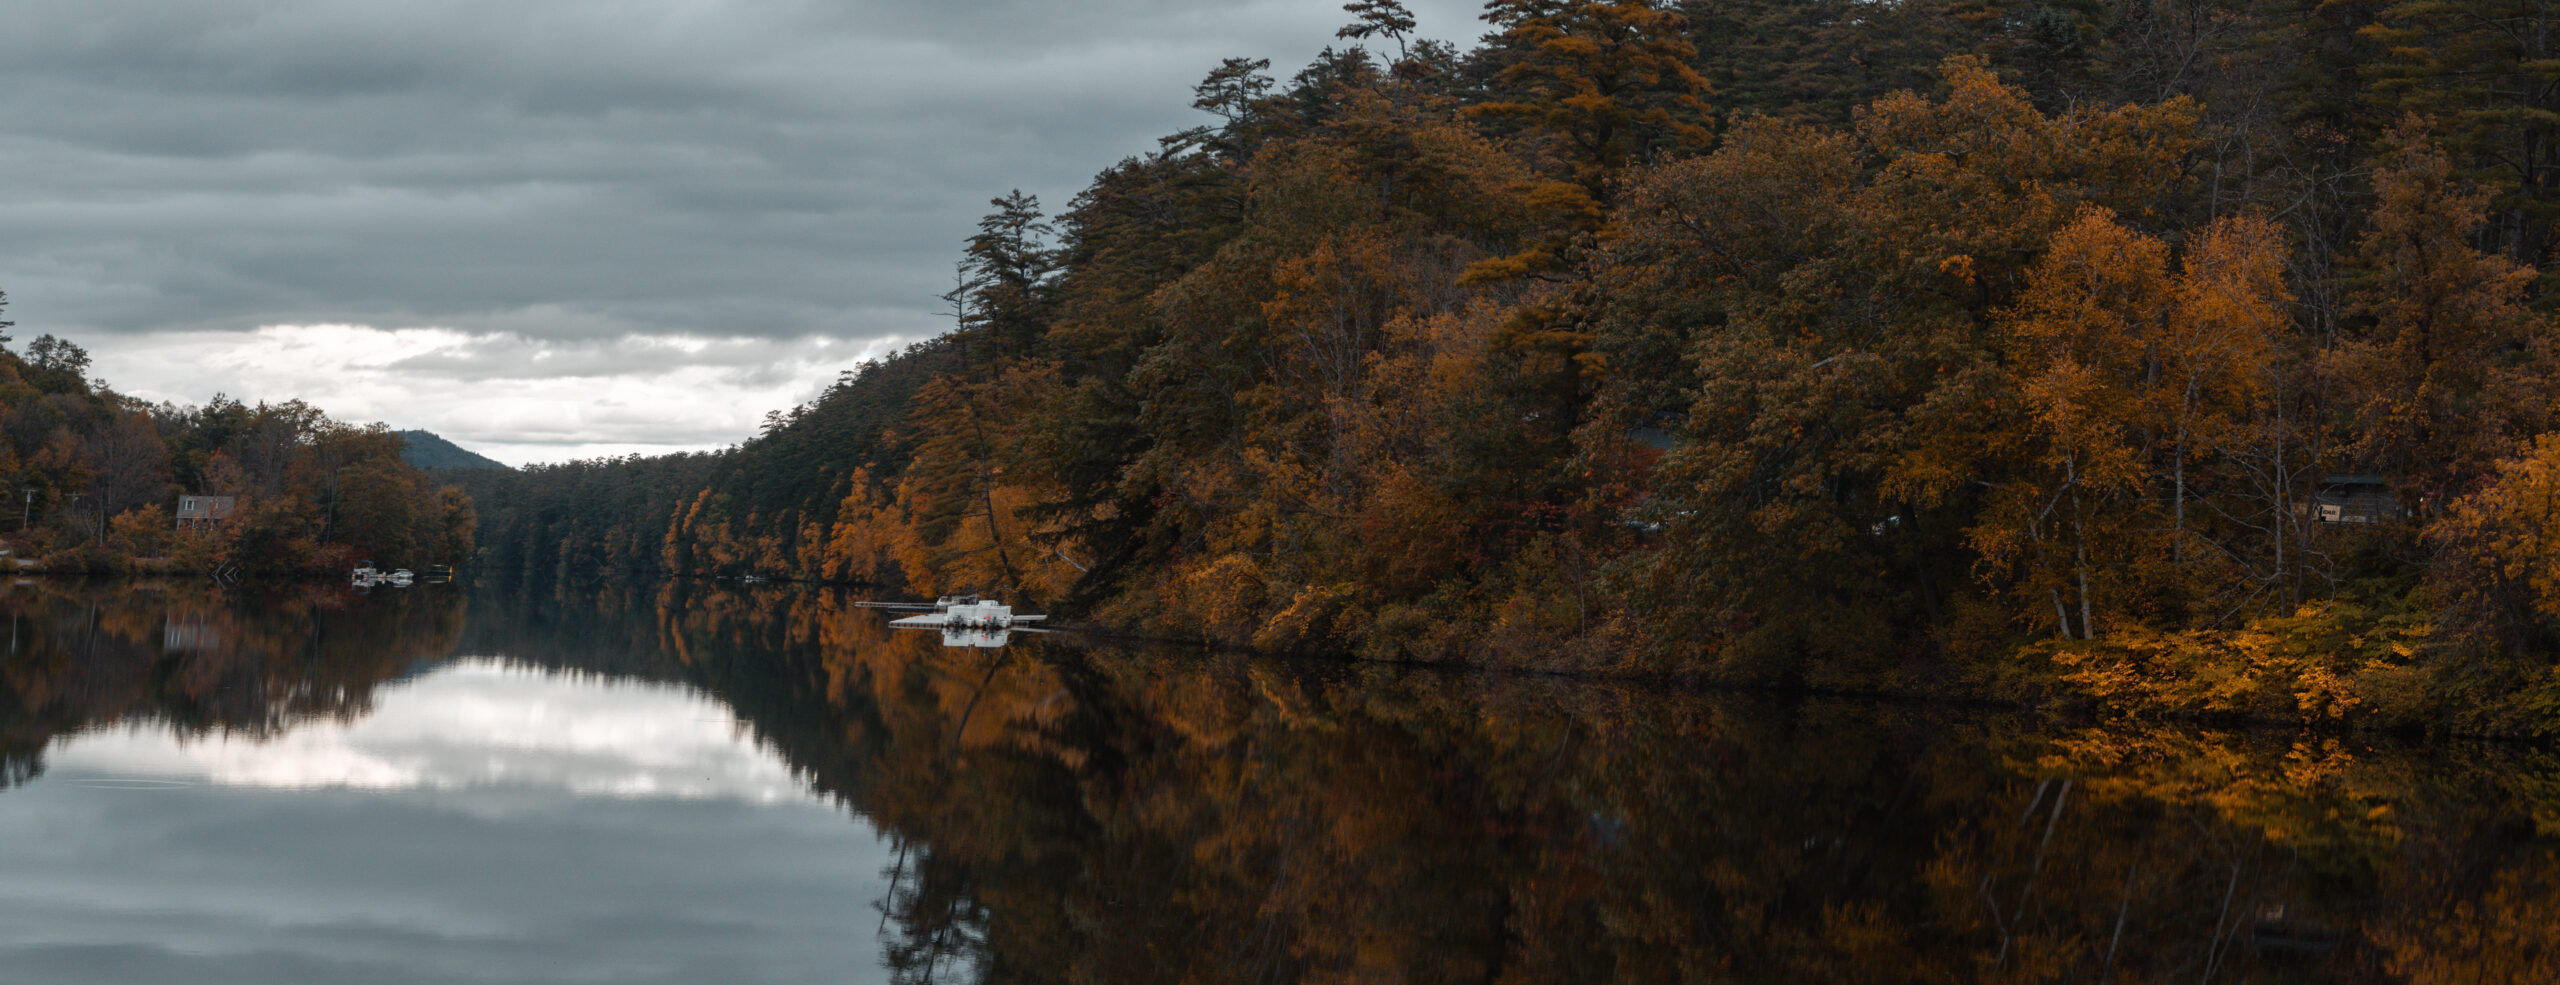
point(582, 170)
point(522, 357)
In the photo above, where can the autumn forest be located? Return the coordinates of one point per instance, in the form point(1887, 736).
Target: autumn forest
point(1981, 347)
point(99, 482)
point(1939, 346)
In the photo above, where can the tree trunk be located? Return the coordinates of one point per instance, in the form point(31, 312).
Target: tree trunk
point(2080, 550)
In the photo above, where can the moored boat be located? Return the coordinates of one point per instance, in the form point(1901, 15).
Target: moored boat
point(967, 612)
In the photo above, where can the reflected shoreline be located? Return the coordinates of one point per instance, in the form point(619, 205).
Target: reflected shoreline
point(1100, 812)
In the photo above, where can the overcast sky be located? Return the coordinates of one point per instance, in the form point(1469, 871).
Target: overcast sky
point(557, 230)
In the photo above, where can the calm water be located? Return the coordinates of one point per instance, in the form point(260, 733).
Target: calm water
point(696, 785)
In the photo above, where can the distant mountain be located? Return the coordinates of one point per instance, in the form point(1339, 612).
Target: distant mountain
point(425, 450)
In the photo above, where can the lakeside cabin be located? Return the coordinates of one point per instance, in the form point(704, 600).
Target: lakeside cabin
point(205, 511)
point(2356, 499)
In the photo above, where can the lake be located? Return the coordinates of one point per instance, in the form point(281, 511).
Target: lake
point(692, 783)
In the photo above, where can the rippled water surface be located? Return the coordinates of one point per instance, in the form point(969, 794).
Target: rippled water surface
point(689, 784)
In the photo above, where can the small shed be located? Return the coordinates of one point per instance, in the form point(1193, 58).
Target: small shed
point(2356, 499)
point(205, 511)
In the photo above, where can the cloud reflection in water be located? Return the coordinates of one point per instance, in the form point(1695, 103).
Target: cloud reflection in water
point(471, 725)
point(486, 823)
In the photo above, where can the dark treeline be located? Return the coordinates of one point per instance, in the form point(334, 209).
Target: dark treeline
point(1965, 346)
point(93, 480)
point(621, 515)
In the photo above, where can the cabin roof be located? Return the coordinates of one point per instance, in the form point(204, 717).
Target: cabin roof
point(196, 507)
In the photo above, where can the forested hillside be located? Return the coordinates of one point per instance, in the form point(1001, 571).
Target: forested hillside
point(95, 478)
point(429, 450)
point(1949, 344)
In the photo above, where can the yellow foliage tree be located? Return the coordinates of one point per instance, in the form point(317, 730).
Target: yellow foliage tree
point(2077, 344)
point(2130, 377)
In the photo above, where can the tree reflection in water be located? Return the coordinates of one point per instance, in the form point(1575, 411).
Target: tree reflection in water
point(1095, 814)
point(86, 654)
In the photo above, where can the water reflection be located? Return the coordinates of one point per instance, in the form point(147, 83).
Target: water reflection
point(985, 639)
point(438, 819)
point(471, 724)
point(1058, 812)
point(198, 661)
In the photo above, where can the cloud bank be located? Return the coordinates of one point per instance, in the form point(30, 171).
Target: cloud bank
point(584, 178)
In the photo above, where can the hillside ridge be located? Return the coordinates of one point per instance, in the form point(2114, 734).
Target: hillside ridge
point(428, 450)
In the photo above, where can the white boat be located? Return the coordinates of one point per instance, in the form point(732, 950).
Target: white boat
point(966, 612)
point(965, 620)
point(981, 638)
point(366, 575)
